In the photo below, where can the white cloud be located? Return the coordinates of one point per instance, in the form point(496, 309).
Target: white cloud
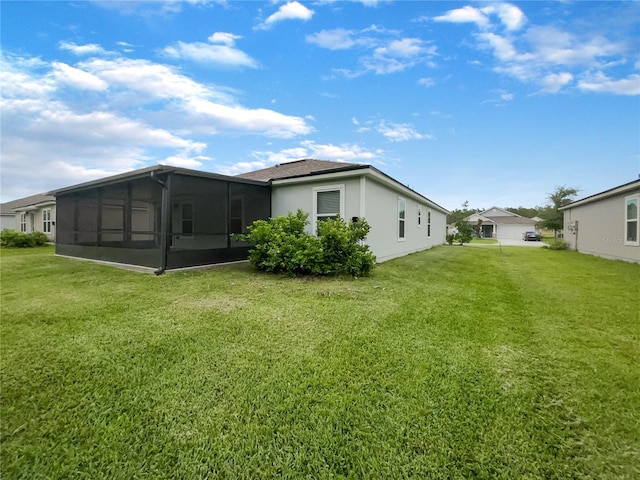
point(465, 14)
point(401, 132)
point(599, 82)
point(208, 54)
point(289, 11)
point(337, 39)
point(554, 82)
point(510, 16)
point(88, 49)
point(387, 53)
point(77, 78)
point(46, 126)
point(225, 38)
point(427, 82)
point(397, 55)
point(502, 47)
point(346, 152)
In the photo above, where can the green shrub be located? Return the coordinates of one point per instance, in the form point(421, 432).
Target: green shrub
point(283, 246)
point(12, 238)
point(450, 238)
point(557, 244)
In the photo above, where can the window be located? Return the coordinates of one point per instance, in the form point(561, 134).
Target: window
point(419, 216)
point(632, 220)
point(46, 220)
point(23, 222)
point(402, 216)
point(328, 202)
point(428, 223)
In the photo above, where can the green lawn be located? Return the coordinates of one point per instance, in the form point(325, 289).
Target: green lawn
point(457, 362)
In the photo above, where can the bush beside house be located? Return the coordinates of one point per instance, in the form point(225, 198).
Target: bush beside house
point(283, 246)
point(12, 238)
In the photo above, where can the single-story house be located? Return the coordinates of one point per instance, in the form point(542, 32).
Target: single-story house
point(167, 218)
point(402, 221)
point(606, 224)
point(501, 224)
point(35, 213)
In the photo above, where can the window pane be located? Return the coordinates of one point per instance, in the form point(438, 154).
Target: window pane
point(632, 231)
point(402, 207)
point(632, 209)
point(401, 229)
point(187, 211)
point(328, 202)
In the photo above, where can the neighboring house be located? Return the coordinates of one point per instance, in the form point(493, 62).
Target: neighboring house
point(36, 213)
point(167, 218)
point(606, 224)
point(402, 221)
point(501, 224)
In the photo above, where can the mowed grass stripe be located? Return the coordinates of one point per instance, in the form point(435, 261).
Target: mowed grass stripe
point(458, 362)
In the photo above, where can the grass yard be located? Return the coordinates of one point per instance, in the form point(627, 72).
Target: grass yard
point(457, 362)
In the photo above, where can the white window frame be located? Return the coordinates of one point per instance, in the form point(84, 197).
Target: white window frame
point(23, 222)
point(428, 223)
point(46, 220)
point(402, 221)
point(326, 188)
point(632, 243)
point(419, 216)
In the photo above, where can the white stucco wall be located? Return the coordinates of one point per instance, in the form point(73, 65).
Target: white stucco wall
point(34, 221)
point(378, 203)
point(601, 229)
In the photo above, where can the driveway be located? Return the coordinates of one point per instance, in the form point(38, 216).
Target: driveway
point(519, 243)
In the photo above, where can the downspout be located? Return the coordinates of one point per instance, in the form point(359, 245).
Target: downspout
point(165, 220)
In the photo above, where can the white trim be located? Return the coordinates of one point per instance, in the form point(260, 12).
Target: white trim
point(46, 220)
point(363, 196)
point(403, 220)
point(379, 177)
point(631, 243)
point(326, 188)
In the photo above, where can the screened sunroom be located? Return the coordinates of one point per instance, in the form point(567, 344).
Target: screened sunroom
point(160, 217)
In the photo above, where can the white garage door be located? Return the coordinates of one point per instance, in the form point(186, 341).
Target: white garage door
point(513, 232)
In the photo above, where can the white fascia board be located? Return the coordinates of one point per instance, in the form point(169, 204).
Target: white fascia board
point(369, 172)
point(622, 189)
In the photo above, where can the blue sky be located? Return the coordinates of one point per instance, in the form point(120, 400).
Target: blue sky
point(490, 103)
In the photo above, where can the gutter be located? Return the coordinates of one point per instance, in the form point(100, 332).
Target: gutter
point(165, 220)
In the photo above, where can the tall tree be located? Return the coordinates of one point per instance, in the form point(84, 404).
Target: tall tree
point(553, 217)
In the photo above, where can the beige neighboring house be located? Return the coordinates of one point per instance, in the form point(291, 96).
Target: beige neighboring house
point(502, 224)
point(606, 224)
point(36, 213)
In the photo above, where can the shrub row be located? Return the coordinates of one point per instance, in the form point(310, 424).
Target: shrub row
point(12, 238)
point(283, 246)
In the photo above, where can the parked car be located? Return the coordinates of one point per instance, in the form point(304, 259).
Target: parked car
point(531, 236)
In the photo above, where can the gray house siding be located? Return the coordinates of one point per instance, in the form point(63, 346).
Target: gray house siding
point(375, 200)
point(598, 226)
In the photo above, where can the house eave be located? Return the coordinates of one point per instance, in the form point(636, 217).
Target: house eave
point(356, 171)
point(148, 172)
point(619, 190)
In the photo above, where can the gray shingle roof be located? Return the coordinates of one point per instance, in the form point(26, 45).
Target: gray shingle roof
point(8, 208)
point(298, 168)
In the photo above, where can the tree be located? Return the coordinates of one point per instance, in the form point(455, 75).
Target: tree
point(553, 217)
point(465, 231)
point(460, 213)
